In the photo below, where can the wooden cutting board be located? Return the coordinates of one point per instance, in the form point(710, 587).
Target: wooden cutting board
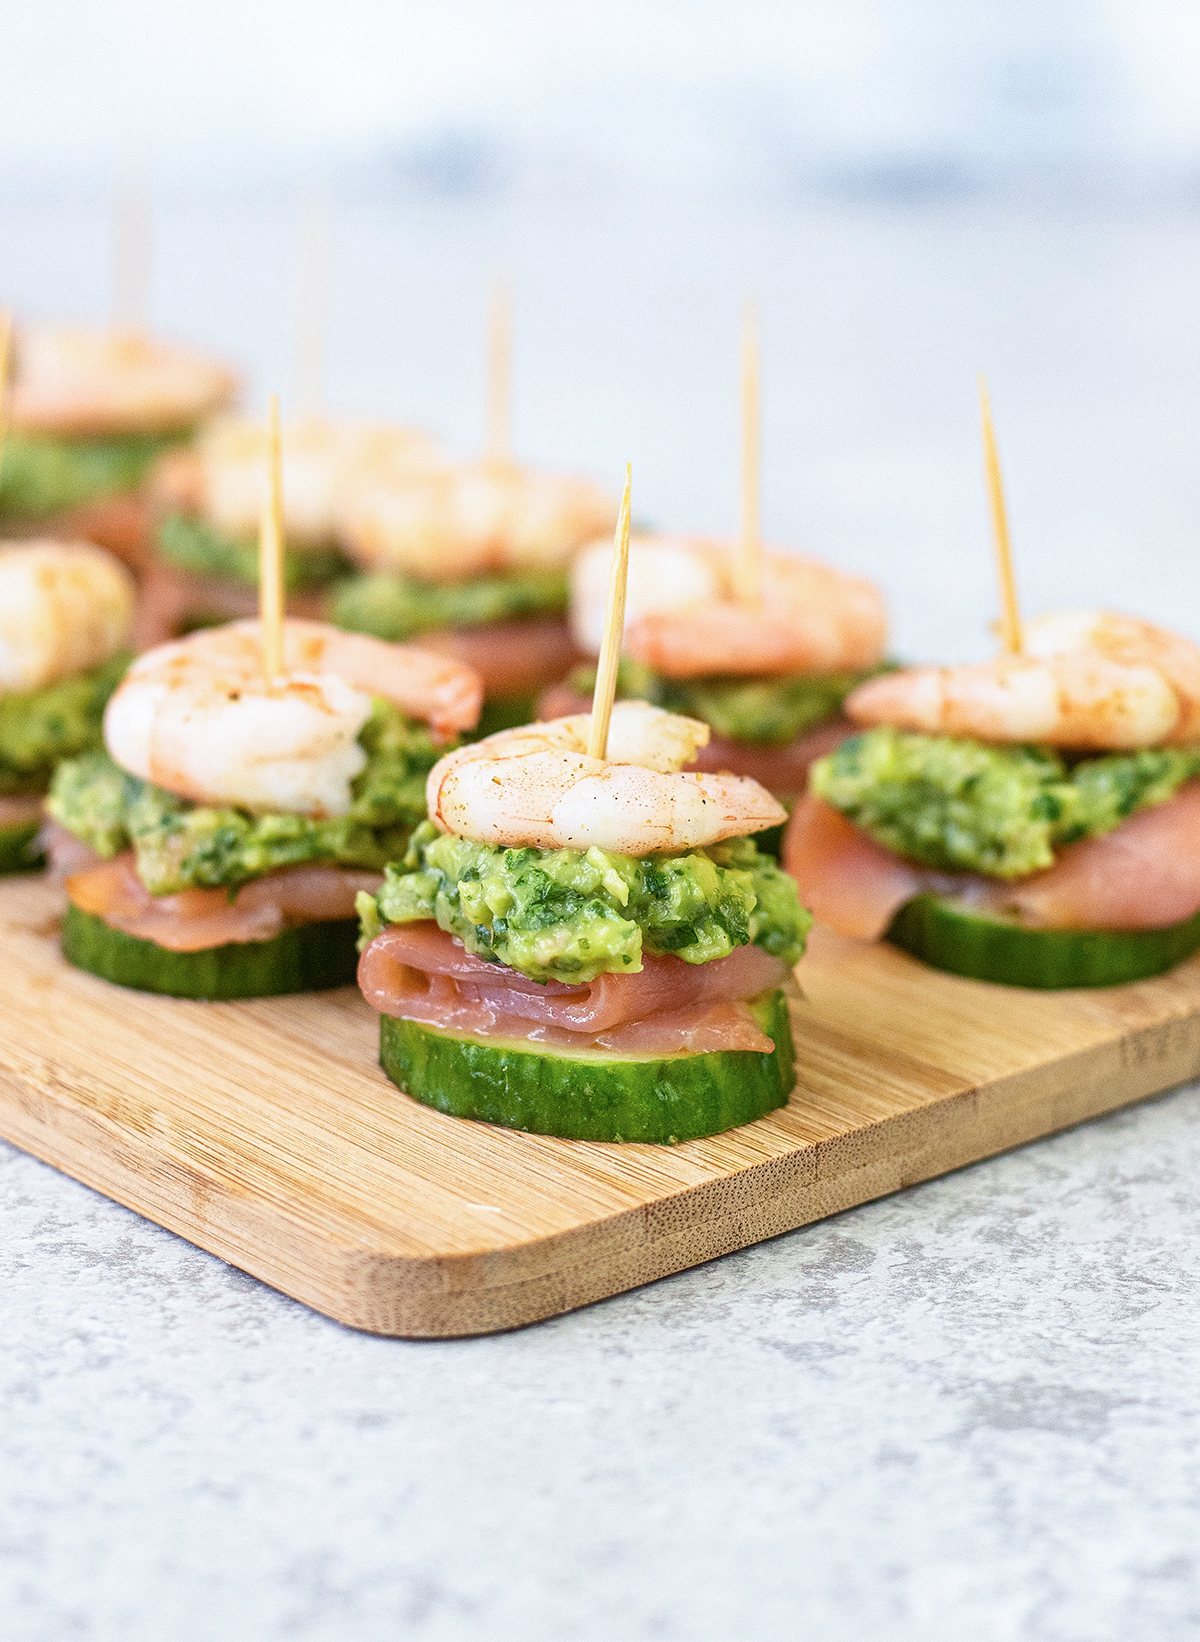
point(265, 1132)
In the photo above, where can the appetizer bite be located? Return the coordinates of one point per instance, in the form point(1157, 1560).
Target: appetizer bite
point(237, 809)
point(1034, 819)
point(472, 560)
point(583, 939)
point(588, 947)
point(66, 613)
point(767, 674)
point(89, 411)
point(208, 501)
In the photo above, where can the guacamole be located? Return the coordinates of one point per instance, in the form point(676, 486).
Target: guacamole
point(964, 806)
point(39, 728)
point(197, 547)
point(42, 475)
point(570, 915)
point(396, 607)
point(772, 711)
point(181, 845)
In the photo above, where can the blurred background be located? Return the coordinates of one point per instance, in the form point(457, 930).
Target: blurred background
point(914, 193)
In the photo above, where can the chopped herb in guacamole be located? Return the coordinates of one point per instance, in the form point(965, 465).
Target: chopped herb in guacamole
point(963, 806)
point(570, 915)
point(181, 845)
point(396, 607)
point(39, 728)
point(773, 711)
point(41, 475)
point(203, 551)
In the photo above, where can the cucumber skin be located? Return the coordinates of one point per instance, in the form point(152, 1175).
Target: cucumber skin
point(304, 958)
point(985, 949)
point(15, 853)
point(588, 1095)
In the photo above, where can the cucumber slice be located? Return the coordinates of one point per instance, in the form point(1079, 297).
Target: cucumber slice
point(305, 958)
point(947, 935)
point(17, 851)
point(592, 1094)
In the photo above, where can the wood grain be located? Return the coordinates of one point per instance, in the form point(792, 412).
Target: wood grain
point(265, 1132)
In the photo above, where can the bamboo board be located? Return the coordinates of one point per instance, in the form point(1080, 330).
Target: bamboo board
point(265, 1132)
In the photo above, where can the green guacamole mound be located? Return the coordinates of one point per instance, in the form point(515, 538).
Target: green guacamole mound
point(397, 607)
point(964, 806)
point(570, 915)
point(181, 845)
point(773, 711)
point(201, 550)
point(39, 728)
point(42, 475)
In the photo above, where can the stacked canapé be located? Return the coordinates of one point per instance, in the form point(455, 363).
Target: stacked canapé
point(215, 847)
point(89, 412)
point(588, 946)
point(1034, 819)
point(471, 559)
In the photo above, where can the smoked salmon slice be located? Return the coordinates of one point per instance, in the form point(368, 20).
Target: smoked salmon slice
point(418, 972)
point(197, 919)
point(1145, 874)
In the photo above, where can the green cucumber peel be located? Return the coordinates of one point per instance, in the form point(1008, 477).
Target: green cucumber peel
point(18, 848)
point(593, 1094)
point(304, 958)
point(950, 937)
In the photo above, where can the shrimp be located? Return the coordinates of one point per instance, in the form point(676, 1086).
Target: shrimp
point(537, 786)
point(686, 622)
point(73, 381)
point(65, 607)
point(1126, 639)
point(1076, 699)
point(451, 523)
point(223, 477)
point(667, 575)
point(199, 718)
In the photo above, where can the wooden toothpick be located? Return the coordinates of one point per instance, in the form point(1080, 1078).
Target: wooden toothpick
point(310, 343)
point(5, 342)
point(131, 261)
point(270, 554)
point(1010, 614)
point(750, 556)
point(499, 373)
point(614, 631)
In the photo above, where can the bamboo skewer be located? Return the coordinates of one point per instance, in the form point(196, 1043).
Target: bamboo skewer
point(750, 555)
point(1010, 613)
point(499, 374)
point(270, 555)
point(131, 262)
point(310, 341)
point(5, 344)
point(614, 631)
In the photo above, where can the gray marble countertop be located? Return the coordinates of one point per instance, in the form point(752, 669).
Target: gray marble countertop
point(967, 1412)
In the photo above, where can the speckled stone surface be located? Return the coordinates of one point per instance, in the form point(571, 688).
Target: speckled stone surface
point(970, 1410)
